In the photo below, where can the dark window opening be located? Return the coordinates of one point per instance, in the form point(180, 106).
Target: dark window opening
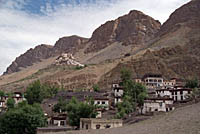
point(98, 126)
point(107, 126)
point(103, 102)
point(86, 127)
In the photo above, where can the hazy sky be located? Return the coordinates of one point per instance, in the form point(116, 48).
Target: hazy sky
point(25, 24)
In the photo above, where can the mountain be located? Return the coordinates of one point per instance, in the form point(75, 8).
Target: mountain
point(173, 52)
point(135, 41)
point(132, 29)
point(69, 44)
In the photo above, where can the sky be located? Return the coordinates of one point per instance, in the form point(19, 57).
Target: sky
point(25, 24)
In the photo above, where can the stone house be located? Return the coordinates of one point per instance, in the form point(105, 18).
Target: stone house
point(177, 93)
point(103, 102)
point(153, 80)
point(60, 120)
point(118, 94)
point(161, 104)
point(92, 123)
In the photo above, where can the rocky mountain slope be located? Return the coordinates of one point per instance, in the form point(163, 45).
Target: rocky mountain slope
point(134, 29)
point(175, 50)
point(172, 49)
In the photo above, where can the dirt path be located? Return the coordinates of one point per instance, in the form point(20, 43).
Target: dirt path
point(185, 120)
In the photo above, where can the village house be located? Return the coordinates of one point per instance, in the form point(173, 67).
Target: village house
point(103, 102)
point(160, 104)
point(177, 93)
point(118, 94)
point(60, 120)
point(92, 123)
point(153, 80)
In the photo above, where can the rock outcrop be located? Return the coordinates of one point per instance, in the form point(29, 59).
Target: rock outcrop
point(64, 45)
point(134, 29)
point(31, 56)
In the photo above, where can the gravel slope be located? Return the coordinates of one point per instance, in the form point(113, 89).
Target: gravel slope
point(185, 120)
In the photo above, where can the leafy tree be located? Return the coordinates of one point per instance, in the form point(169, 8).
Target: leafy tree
point(125, 75)
point(34, 93)
point(192, 83)
point(194, 95)
point(10, 103)
point(96, 88)
point(61, 106)
point(2, 93)
point(135, 92)
point(49, 91)
point(125, 107)
point(77, 110)
point(24, 119)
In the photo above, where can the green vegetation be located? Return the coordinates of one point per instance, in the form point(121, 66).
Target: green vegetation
point(2, 93)
point(134, 94)
point(76, 110)
point(23, 119)
point(96, 88)
point(36, 92)
point(192, 83)
point(61, 106)
point(10, 103)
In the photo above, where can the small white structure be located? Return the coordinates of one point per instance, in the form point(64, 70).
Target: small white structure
point(118, 93)
point(158, 105)
point(92, 123)
point(59, 121)
point(104, 102)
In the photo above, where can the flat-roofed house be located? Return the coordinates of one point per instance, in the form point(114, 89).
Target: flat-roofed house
point(118, 94)
point(153, 80)
point(160, 104)
point(92, 123)
point(177, 93)
point(103, 102)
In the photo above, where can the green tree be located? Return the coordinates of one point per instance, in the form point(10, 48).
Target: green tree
point(135, 92)
point(96, 88)
point(61, 106)
point(125, 107)
point(34, 93)
point(10, 103)
point(2, 94)
point(24, 119)
point(192, 83)
point(125, 74)
point(49, 91)
point(77, 110)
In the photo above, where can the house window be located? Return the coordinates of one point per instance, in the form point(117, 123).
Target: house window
point(62, 123)
point(107, 126)
point(86, 127)
point(188, 92)
point(176, 98)
point(172, 93)
point(181, 92)
point(98, 102)
point(103, 102)
point(175, 93)
point(156, 109)
point(98, 126)
point(181, 97)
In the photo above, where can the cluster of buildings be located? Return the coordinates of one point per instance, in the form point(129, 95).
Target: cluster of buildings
point(17, 96)
point(162, 94)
